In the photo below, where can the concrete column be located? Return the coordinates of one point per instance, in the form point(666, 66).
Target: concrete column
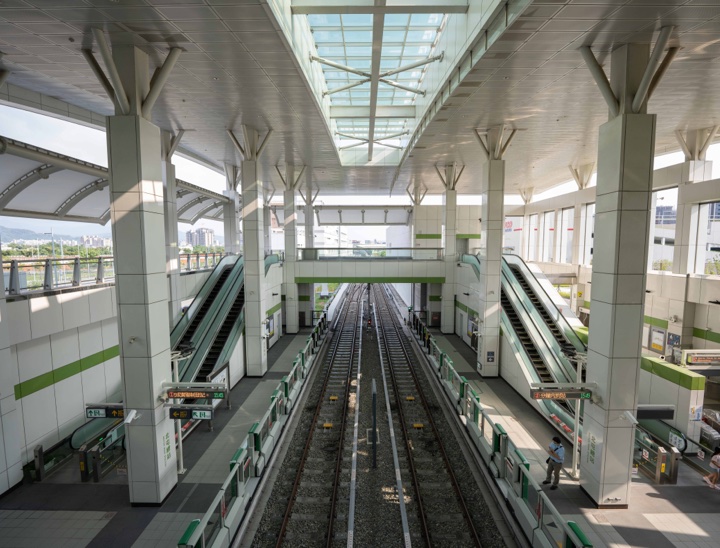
point(231, 211)
point(172, 254)
point(309, 216)
point(253, 236)
point(447, 314)
point(492, 190)
point(579, 228)
point(267, 225)
point(138, 227)
point(292, 321)
point(626, 149)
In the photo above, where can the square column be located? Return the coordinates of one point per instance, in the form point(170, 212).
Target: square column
point(138, 226)
point(447, 315)
point(491, 229)
point(254, 257)
point(10, 424)
point(292, 318)
point(231, 211)
point(172, 253)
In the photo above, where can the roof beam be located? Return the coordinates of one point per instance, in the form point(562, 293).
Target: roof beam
point(314, 7)
point(406, 111)
point(204, 211)
point(80, 195)
point(52, 216)
point(41, 172)
point(377, 38)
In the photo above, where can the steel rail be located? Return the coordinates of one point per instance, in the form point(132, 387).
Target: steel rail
point(306, 450)
point(453, 479)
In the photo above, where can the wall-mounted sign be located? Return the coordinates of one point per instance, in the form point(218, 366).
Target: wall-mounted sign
point(553, 394)
point(105, 412)
point(491, 356)
point(202, 413)
point(196, 394)
point(657, 340)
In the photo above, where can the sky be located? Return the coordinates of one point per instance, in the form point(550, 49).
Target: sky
point(88, 143)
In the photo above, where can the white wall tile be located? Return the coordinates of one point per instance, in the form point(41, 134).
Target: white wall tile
point(19, 327)
point(45, 316)
point(39, 416)
point(75, 309)
point(64, 348)
point(68, 399)
point(34, 358)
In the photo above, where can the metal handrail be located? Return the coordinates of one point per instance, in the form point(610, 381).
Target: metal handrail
point(374, 253)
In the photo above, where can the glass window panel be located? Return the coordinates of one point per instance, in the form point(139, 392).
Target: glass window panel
point(388, 64)
point(328, 36)
point(426, 19)
point(357, 20)
point(548, 240)
point(396, 20)
point(330, 51)
point(566, 235)
point(421, 36)
point(708, 239)
point(589, 233)
point(662, 232)
point(359, 51)
point(532, 238)
point(391, 51)
point(358, 35)
point(390, 36)
point(324, 20)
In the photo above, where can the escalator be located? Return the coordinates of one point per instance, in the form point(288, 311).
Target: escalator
point(525, 340)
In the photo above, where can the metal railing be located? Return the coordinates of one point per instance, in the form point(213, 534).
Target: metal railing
point(46, 274)
point(374, 253)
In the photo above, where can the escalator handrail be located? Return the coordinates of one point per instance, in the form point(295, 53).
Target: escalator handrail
point(548, 338)
point(184, 322)
point(549, 305)
point(190, 369)
point(550, 358)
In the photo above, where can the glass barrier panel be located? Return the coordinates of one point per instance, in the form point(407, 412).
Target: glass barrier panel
point(552, 526)
point(533, 501)
point(214, 524)
point(487, 430)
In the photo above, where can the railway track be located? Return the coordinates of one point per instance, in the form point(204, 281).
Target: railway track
point(312, 510)
point(437, 507)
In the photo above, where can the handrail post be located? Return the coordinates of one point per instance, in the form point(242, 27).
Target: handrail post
point(76, 272)
point(197, 261)
point(14, 282)
point(48, 283)
point(100, 275)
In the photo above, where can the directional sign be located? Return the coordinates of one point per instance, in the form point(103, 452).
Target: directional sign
point(196, 394)
point(204, 413)
point(554, 394)
point(104, 412)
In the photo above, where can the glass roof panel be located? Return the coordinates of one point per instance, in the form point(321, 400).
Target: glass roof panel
point(346, 39)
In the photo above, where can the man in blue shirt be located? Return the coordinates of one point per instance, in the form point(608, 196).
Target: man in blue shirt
point(555, 461)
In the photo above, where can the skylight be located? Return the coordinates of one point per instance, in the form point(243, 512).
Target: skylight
point(406, 44)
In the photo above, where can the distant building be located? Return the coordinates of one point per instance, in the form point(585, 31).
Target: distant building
point(202, 236)
point(94, 241)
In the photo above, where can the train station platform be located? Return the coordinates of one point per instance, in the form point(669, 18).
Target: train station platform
point(63, 512)
point(684, 515)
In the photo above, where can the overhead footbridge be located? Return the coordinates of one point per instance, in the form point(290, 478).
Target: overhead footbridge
point(370, 265)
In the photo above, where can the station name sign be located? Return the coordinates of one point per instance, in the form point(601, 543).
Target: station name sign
point(554, 394)
point(196, 394)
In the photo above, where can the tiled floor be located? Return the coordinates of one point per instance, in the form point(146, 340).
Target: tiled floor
point(164, 526)
point(33, 528)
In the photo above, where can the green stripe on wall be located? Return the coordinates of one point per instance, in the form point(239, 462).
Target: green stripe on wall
point(467, 236)
point(465, 308)
point(656, 322)
point(706, 334)
point(371, 280)
point(304, 298)
point(428, 236)
point(40, 382)
point(435, 298)
point(586, 304)
point(271, 311)
point(673, 373)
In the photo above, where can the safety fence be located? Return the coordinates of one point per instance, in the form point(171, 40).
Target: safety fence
point(223, 519)
point(47, 274)
point(542, 524)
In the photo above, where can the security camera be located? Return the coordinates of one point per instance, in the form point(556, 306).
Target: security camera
point(628, 416)
point(131, 416)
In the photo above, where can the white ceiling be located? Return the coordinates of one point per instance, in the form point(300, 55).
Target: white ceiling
point(236, 69)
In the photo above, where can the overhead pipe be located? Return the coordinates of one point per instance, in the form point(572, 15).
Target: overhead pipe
point(660, 72)
point(112, 69)
point(642, 91)
point(158, 82)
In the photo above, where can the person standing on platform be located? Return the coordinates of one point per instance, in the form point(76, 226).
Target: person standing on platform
point(555, 461)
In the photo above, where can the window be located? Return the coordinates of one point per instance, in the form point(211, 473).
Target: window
point(662, 231)
point(548, 240)
point(708, 240)
point(512, 235)
point(532, 238)
point(589, 234)
point(567, 224)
